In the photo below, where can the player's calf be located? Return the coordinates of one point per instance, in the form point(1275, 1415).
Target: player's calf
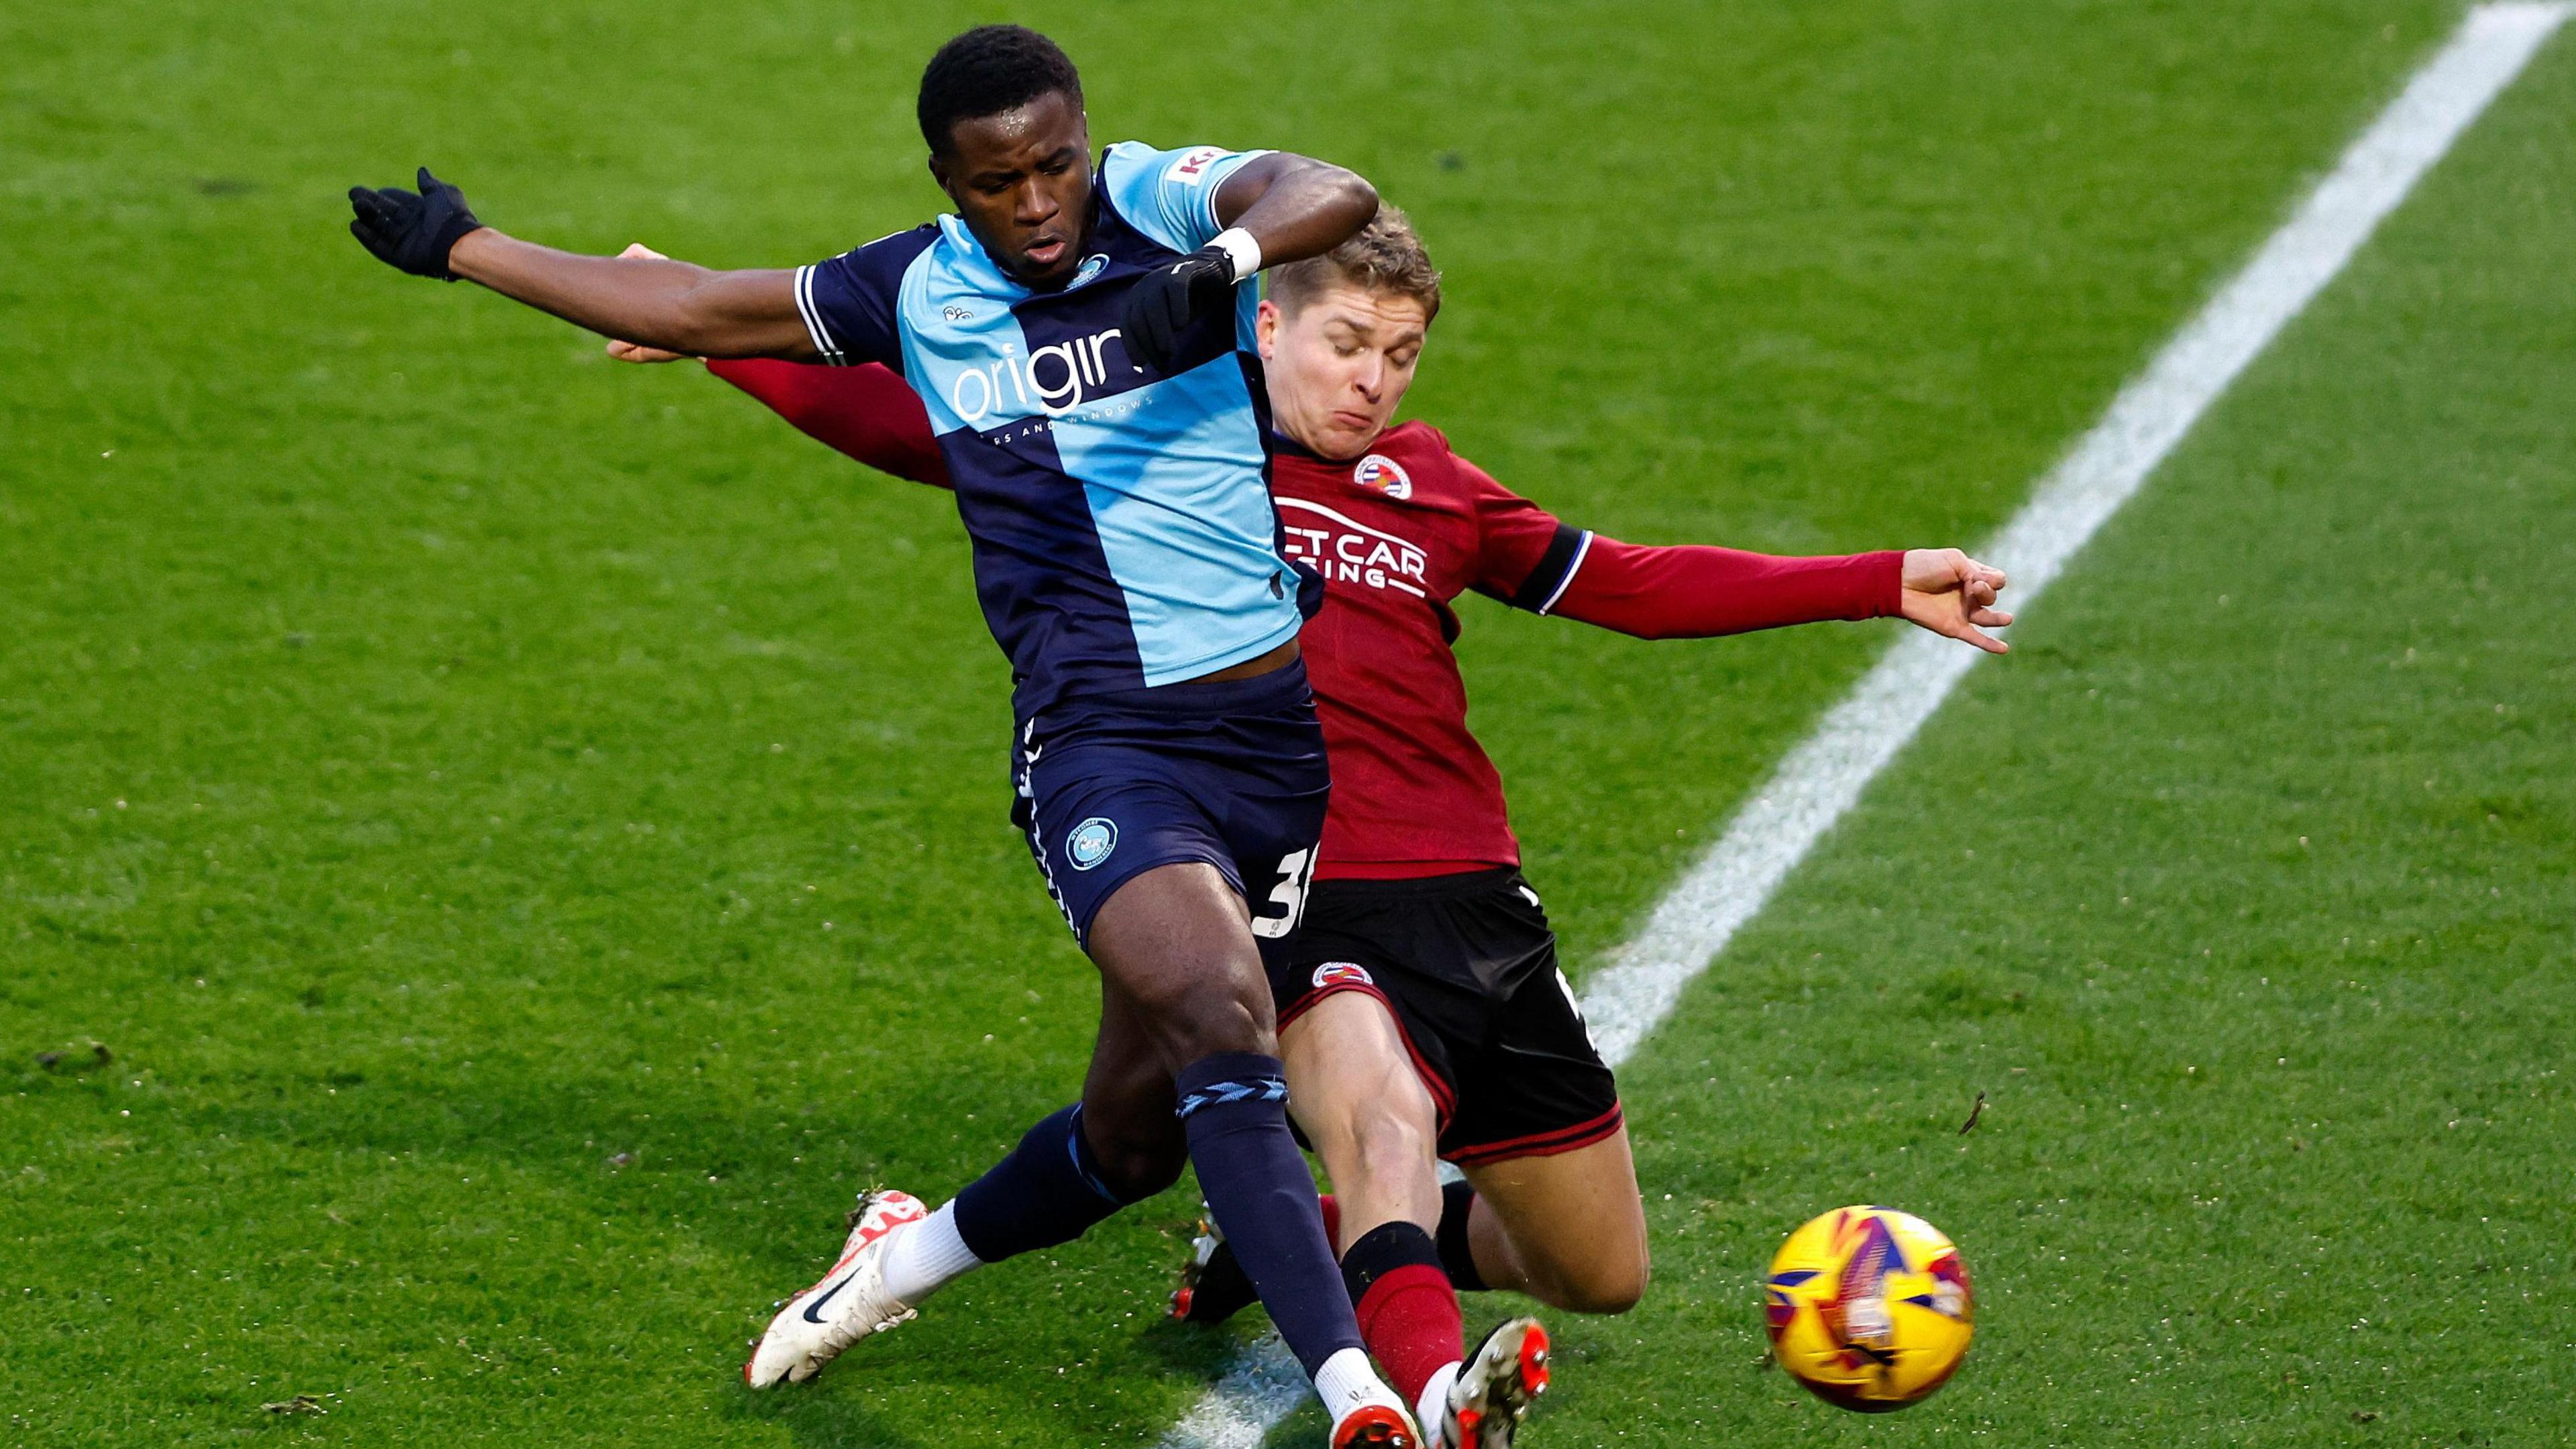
point(1566, 1228)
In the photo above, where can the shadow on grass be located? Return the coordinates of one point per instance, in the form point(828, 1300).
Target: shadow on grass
point(728, 1214)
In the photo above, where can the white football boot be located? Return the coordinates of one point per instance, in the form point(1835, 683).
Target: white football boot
point(849, 1303)
point(1495, 1387)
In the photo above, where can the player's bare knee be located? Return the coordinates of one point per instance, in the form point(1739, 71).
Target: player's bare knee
point(1612, 1283)
point(1392, 1149)
point(1212, 1014)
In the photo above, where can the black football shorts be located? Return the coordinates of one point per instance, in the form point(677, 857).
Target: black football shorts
point(1467, 965)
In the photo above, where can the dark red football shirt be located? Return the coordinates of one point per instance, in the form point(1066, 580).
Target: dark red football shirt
point(1398, 535)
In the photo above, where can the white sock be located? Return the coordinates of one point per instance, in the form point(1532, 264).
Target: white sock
point(1433, 1406)
point(927, 1257)
point(1347, 1381)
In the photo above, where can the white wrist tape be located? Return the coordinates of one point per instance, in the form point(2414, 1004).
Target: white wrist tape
point(1239, 248)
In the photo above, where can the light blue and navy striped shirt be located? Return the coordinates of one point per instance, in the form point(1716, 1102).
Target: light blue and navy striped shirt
point(1123, 531)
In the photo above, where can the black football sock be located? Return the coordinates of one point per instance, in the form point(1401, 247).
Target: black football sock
point(1048, 1191)
point(1235, 1108)
point(1455, 1256)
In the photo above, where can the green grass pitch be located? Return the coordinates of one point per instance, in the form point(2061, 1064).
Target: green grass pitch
point(528, 833)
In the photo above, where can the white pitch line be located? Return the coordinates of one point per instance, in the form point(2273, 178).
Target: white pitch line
point(1822, 777)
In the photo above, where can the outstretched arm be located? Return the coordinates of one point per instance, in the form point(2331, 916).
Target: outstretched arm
point(1691, 591)
point(868, 412)
point(1694, 592)
point(651, 300)
point(672, 304)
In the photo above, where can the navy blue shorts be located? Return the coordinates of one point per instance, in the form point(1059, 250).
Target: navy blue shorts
point(1231, 774)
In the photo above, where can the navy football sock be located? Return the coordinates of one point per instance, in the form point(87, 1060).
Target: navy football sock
point(1235, 1107)
point(1048, 1191)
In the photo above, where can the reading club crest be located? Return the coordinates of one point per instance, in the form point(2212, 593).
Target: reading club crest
point(1381, 474)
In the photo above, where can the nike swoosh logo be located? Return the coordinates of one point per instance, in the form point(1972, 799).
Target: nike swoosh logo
point(825, 1297)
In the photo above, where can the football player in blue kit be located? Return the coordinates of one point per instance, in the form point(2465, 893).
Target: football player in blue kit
point(1081, 336)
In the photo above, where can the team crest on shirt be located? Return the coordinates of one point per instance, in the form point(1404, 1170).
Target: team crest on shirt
point(1342, 973)
point(1092, 266)
point(1381, 474)
point(1091, 842)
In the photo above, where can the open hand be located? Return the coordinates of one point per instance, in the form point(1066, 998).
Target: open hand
point(637, 351)
point(1952, 594)
point(412, 230)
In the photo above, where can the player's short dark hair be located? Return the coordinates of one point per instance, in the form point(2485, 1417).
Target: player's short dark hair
point(1387, 258)
point(986, 71)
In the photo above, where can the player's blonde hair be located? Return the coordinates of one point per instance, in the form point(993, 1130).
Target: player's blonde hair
point(1386, 258)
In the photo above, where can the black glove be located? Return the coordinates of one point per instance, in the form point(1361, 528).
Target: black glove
point(412, 231)
point(1162, 304)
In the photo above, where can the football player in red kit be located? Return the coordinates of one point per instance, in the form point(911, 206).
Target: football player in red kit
point(1421, 1012)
